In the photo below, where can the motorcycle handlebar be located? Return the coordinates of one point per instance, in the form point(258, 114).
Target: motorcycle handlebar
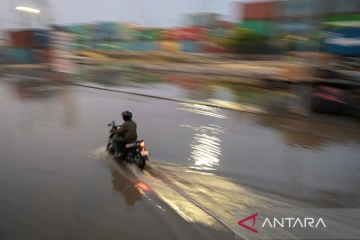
point(114, 127)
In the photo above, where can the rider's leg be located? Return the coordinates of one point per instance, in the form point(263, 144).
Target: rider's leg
point(117, 144)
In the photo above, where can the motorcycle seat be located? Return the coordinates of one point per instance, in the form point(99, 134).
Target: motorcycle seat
point(137, 141)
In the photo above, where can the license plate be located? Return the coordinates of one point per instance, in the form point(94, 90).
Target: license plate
point(131, 145)
point(145, 153)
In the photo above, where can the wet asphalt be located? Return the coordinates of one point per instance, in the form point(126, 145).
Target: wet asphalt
point(57, 182)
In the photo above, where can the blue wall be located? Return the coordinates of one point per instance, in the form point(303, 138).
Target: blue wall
point(16, 56)
point(40, 38)
point(342, 41)
point(189, 46)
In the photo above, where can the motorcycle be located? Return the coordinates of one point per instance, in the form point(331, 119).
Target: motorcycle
point(132, 152)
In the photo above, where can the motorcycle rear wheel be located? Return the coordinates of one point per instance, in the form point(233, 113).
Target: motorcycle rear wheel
point(140, 161)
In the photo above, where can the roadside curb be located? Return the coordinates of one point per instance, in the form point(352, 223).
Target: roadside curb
point(168, 98)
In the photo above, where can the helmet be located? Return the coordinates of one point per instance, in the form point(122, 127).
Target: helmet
point(127, 115)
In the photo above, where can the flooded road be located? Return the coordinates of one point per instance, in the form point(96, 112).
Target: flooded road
point(189, 88)
point(56, 181)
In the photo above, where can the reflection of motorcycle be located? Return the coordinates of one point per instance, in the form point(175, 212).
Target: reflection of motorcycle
point(123, 185)
point(132, 152)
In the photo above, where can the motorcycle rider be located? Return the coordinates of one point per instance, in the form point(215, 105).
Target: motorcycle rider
point(127, 132)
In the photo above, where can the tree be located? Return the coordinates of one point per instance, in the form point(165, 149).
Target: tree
point(243, 40)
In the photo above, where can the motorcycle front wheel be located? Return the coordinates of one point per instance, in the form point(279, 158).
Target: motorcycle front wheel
point(109, 149)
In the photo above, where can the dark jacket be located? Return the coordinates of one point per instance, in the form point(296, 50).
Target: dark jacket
point(128, 130)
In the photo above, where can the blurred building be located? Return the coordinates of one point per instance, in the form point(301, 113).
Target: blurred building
point(199, 35)
point(286, 22)
point(257, 16)
point(203, 20)
point(24, 35)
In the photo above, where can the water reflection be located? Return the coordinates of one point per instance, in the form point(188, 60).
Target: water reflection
point(203, 110)
point(28, 90)
point(110, 77)
point(319, 161)
point(123, 185)
point(293, 170)
point(308, 134)
point(206, 147)
point(37, 102)
point(270, 99)
point(197, 94)
point(70, 109)
point(193, 89)
point(40, 99)
point(224, 94)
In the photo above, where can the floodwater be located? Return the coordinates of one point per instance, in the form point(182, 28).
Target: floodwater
point(56, 181)
point(186, 88)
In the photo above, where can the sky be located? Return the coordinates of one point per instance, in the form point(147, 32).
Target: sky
point(147, 13)
point(154, 13)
